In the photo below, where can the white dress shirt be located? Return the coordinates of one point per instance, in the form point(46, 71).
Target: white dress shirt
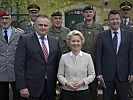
point(118, 36)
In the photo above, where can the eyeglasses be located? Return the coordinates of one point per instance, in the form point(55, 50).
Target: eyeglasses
point(5, 18)
point(125, 9)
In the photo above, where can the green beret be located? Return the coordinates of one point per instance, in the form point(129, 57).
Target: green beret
point(56, 14)
point(88, 7)
point(33, 7)
point(125, 5)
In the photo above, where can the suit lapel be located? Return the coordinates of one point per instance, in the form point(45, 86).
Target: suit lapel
point(123, 37)
point(50, 47)
point(13, 34)
point(1, 36)
point(110, 39)
point(30, 27)
point(37, 45)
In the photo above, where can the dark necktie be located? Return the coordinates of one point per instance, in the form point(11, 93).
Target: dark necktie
point(115, 41)
point(125, 22)
point(44, 49)
point(6, 36)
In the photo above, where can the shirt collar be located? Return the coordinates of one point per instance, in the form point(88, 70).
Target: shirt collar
point(38, 36)
point(32, 23)
point(126, 19)
point(118, 30)
point(80, 54)
point(9, 30)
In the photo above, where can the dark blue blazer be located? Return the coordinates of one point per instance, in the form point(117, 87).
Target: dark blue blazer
point(31, 67)
point(108, 63)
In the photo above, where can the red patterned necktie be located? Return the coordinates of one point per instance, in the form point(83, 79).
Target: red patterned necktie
point(44, 49)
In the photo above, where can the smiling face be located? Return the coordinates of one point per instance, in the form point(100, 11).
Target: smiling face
point(75, 43)
point(56, 21)
point(125, 13)
point(41, 26)
point(5, 21)
point(114, 21)
point(33, 14)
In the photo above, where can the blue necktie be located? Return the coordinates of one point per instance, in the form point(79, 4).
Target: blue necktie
point(115, 41)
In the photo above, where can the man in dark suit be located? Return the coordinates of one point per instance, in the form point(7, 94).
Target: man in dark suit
point(27, 26)
point(36, 63)
point(114, 63)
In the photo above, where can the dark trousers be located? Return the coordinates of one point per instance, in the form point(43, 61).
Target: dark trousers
point(93, 90)
point(4, 91)
point(74, 95)
point(44, 95)
point(120, 87)
point(130, 89)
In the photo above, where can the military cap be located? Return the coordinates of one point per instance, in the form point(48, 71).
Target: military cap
point(88, 7)
point(33, 7)
point(56, 14)
point(125, 5)
point(4, 13)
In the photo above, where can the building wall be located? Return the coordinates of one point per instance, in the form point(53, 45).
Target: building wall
point(99, 6)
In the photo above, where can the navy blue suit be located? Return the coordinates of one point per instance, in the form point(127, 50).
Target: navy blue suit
point(115, 67)
point(31, 67)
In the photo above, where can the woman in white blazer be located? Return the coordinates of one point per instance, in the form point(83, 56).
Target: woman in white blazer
point(76, 69)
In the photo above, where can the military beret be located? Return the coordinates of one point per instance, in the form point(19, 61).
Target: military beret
point(4, 13)
point(88, 7)
point(33, 7)
point(125, 5)
point(56, 14)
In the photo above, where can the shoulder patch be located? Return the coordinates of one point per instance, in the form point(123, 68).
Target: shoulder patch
point(18, 30)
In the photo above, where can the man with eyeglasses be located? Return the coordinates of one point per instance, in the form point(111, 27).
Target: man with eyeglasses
point(27, 26)
point(127, 22)
point(9, 37)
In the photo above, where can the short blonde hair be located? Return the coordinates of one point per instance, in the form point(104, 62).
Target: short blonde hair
point(74, 32)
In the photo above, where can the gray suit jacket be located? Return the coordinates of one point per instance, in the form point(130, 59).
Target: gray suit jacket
point(7, 55)
point(129, 27)
point(27, 27)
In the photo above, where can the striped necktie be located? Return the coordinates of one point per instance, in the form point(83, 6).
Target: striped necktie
point(44, 49)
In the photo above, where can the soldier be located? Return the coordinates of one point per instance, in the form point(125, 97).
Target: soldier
point(9, 37)
point(91, 31)
point(58, 31)
point(27, 26)
point(127, 22)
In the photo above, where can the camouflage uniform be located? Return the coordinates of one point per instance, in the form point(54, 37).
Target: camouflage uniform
point(91, 35)
point(61, 36)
